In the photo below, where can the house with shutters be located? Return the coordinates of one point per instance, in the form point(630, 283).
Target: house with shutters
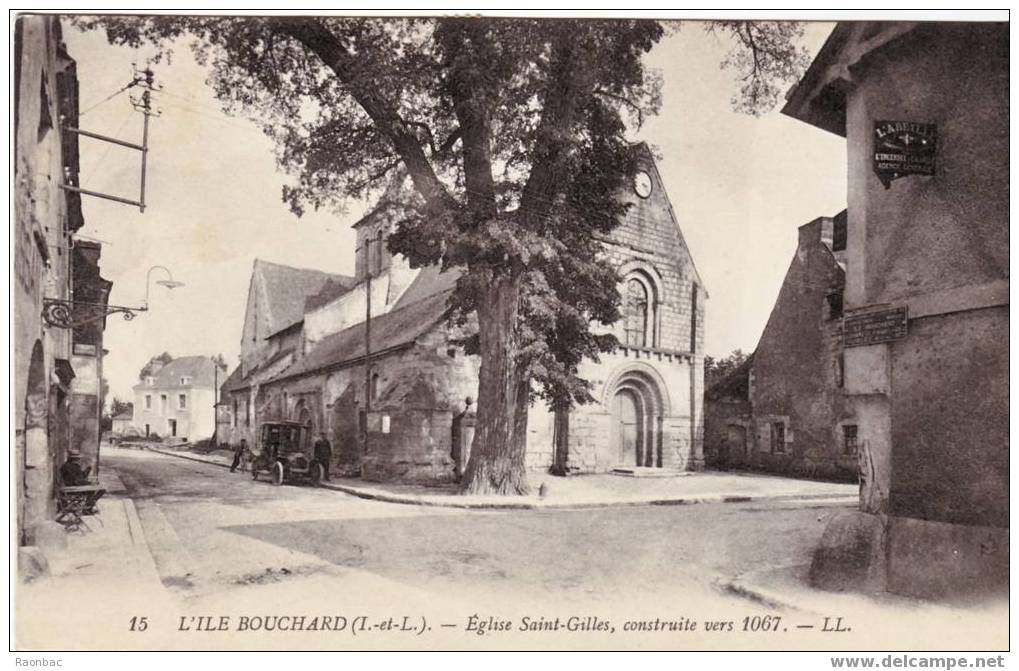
point(176, 400)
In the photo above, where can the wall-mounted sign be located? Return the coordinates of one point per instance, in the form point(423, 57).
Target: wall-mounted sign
point(872, 328)
point(84, 349)
point(904, 148)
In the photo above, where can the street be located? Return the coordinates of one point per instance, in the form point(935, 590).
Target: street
point(211, 530)
point(224, 551)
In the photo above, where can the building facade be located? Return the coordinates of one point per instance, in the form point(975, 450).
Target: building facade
point(784, 412)
point(924, 110)
point(59, 295)
point(176, 401)
point(400, 407)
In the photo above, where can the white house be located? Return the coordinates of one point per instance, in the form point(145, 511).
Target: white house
point(177, 400)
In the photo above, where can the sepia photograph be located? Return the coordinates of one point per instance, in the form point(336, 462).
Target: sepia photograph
point(510, 331)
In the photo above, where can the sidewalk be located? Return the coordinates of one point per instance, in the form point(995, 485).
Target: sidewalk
point(980, 624)
point(585, 491)
point(105, 571)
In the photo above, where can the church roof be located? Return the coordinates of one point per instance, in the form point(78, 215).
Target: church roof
point(397, 328)
point(234, 381)
point(429, 281)
point(287, 289)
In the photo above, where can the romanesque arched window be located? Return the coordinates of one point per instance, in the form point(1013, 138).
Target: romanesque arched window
point(635, 312)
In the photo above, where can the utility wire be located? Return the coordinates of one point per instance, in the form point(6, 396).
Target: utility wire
point(109, 146)
point(113, 95)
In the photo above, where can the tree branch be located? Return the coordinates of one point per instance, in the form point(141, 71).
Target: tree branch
point(624, 100)
point(428, 132)
point(466, 43)
point(447, 146)
point(322, 42)
point(568, 84)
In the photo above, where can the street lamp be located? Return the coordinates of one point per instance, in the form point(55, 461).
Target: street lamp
point(69, 314)
point(169, 283)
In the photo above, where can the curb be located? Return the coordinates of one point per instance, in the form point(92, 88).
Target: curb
point(765, 598)
point(412, 500)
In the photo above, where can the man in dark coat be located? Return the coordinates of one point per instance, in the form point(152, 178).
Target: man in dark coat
point(323, 452)
point(72, 474)
point(239, 451)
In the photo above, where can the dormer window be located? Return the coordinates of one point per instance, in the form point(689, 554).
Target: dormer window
point(185, 380)
point(150, 381)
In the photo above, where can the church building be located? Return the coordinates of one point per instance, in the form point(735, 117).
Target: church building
point(402, 408)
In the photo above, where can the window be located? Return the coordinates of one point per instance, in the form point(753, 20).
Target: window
point(834, 305)
point(840, 371)
point(148, 401)
point(182, 401)
point(850, 446)
point(840, 232)
point(635, 312)
point(777, 437)
point(247, 413)
point(373, 389)
point(378, 250)
point(185, 380)
point(233, 416)
point(150, 381)
point(162, 402)
point(693, 318)
point(45, 120)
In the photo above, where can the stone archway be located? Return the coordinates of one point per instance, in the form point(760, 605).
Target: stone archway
point(637, 406)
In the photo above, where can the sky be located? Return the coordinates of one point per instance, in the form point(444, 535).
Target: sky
point(740, 187)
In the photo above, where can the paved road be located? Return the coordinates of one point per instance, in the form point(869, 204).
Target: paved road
point(212, 530)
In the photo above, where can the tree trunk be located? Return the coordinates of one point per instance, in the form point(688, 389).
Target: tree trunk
point(561, 442)
point(496, 464)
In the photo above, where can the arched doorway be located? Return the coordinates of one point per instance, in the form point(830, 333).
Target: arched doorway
point(628, 416)
point(302, 413)
point(637, 406)
point(34, 467)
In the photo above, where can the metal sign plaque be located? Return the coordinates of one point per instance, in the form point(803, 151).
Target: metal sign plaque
point(904, 148)
point(875, 327)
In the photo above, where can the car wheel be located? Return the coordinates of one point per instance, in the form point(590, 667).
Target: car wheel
point(318, 474)
point(277, 474)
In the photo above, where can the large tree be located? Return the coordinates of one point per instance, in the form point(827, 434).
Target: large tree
point(513, 135)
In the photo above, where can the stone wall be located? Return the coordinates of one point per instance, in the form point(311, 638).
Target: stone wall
point(43, 218)
point(938, 245)
point(796, 367)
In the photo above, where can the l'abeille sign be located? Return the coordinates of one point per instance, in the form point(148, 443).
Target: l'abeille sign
point(904, 148)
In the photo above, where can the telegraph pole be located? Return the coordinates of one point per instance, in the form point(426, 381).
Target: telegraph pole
point(147, 82)
point(215, 403)
point(367, 336)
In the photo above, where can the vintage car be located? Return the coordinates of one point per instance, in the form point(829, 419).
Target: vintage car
point(283, 451)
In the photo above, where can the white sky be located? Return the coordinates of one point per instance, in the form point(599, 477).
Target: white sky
point(740, 186)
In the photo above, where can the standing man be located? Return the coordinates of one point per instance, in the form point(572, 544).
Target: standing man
point(239, 451)
point(323, 452)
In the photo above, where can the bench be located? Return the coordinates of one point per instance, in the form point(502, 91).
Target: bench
point(75, 502)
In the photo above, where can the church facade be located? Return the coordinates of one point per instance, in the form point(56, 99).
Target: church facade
point(398, 404)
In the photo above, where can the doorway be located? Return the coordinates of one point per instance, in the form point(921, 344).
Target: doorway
point(735, 449)
point(637, 409)
point(628, 413)
point(173, 427)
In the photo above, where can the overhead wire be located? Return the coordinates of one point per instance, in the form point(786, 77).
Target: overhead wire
point(109, 146)
point(113, 95)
